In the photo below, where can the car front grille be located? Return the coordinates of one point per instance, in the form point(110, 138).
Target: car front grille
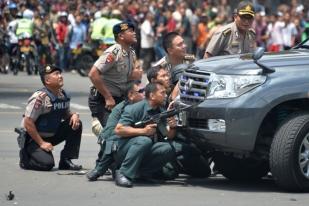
point(193, 86)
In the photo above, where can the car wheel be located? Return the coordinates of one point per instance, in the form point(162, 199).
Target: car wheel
point(240, 169)
point(289, 154)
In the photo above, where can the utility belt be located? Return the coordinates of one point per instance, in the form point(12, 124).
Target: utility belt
point(94, 92)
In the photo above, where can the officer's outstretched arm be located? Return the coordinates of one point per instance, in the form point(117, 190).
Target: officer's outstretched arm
point(34, 134)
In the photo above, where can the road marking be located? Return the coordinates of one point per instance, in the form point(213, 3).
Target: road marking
point(7, 106)
point(12, 131)
point(78, 106)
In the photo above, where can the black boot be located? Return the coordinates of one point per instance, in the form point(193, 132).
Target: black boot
point(122, 180)
point(93, 175)
point(67, 164)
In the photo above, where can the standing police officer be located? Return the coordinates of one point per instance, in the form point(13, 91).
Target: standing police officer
point(237, 37)
point(110, 73)
point(48, 121)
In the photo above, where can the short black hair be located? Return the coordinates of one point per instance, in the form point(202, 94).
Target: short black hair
point(130, 87)
point(151, 88)
point(168, 39)
point(152, 73)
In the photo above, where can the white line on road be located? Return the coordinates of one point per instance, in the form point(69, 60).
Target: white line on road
point(78, 106)
point(12, 131)
point(7, 106)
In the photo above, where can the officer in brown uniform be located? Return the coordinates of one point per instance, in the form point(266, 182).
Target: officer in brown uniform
point(48, 121)
point(111, 72)
point(237, 37)
point(175, 47)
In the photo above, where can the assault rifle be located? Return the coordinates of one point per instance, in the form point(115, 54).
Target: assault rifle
point(161, 116)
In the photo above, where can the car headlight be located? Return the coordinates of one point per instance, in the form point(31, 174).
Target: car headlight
point(231, 86)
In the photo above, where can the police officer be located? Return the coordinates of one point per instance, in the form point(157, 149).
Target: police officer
point(175, 47)
point(237, 37)
point(48, 121)
point(107, 137)
point(139, 152)
point(111, 72)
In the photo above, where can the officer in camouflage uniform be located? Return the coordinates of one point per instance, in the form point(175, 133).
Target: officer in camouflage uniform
point(48, 121)
point(110, 73)
point(175, 47)
point(237, 37)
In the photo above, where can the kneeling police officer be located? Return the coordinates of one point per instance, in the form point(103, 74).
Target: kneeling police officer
point(47, 122)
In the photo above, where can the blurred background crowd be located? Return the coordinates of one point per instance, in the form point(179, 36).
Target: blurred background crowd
point(58, 27)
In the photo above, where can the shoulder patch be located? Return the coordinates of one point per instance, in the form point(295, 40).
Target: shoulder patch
point(110, 58)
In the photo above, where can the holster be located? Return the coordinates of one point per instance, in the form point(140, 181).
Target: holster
point(22, 137)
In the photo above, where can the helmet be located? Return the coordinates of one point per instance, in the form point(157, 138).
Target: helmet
point(12, 5)
point(28, 14)
point(97, 15)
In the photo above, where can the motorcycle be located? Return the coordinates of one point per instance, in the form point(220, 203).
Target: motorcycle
point(26, 55)
point(87, 56)
point(4, 54)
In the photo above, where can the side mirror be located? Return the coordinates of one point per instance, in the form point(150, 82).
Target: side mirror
point(258, 53)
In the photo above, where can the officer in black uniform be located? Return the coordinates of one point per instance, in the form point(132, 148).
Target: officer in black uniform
point(111, 72)
point(48, 121)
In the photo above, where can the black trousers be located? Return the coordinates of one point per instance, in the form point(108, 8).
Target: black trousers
point(96, 103)
point(35, 158)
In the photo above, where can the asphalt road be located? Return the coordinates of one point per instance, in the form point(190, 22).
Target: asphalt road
point(33, 188)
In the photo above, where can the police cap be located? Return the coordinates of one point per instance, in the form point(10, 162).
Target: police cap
point(122, 26)
point(48, 69)
point(245, 8)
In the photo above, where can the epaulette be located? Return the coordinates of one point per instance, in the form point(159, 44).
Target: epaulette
point(189, 57)
point(226, 31)
point(252, 31)
point(115, 51)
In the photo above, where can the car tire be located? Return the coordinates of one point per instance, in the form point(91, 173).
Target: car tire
point(240, 169)
point(289, 154)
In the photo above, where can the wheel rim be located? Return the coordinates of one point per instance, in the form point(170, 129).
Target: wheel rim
point(304, 156)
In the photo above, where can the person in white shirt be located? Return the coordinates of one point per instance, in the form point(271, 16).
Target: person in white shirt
point(147, 41)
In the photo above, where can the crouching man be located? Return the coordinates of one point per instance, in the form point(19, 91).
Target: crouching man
point(48, 121)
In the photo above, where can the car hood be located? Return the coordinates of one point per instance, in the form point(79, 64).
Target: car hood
point(244, 64)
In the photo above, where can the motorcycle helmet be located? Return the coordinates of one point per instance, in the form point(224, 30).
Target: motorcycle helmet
point(28, 14)
point(12, 5)
point(97, 15)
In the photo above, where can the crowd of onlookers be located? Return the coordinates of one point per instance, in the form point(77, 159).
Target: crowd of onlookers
point(195, 20)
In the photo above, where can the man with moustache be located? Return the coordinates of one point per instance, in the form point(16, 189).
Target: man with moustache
point(48, 121)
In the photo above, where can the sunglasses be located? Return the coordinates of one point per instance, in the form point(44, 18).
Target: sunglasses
point(142, 90)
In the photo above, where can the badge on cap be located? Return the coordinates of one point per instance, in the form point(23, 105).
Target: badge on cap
point(48, 69)
point(124, 26)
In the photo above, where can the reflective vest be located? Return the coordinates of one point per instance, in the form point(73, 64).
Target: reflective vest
point(24, 26)
point(97, 28)
point(108, 31)
point(51, 121)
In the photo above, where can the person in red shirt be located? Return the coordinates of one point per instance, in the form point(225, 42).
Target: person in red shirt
point(61, 30)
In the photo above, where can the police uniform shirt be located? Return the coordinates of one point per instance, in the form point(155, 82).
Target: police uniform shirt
point(228, 40)
point(116, 64)
point(38, 104)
